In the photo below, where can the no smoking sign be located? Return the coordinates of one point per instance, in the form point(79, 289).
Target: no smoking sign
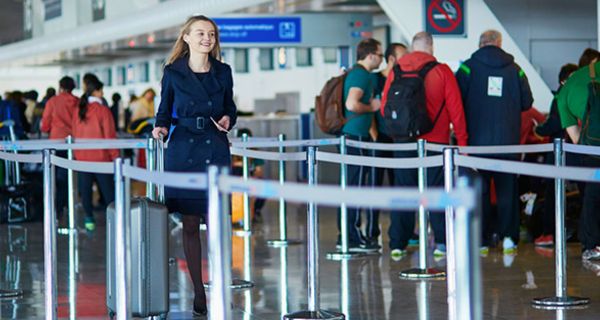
point(445, 17)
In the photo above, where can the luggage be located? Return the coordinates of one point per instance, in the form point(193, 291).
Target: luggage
point(20, 203)
point(149, 259)
point(237, 208)
point(405, 112)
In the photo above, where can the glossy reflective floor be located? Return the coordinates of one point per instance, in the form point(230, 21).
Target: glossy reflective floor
point(362, 289)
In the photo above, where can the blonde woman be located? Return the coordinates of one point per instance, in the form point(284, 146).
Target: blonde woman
point(197, 99)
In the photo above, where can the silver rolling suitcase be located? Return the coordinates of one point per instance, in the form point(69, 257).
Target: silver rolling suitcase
point(149, 259)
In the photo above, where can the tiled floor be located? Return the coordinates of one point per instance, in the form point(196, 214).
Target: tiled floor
point(367, 289)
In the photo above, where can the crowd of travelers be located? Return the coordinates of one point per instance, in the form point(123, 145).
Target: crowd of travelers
point(487, 101)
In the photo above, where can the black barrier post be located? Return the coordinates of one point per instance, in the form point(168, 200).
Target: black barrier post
point(422, 272)
point(314, 312)
point(561, 300)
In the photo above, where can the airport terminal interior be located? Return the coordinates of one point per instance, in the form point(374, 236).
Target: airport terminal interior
point(70, 250)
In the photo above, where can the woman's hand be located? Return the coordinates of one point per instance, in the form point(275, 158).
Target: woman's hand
point(157, 131)
point(224, 123)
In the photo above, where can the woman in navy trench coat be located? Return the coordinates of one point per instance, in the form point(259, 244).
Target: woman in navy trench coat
point(197, 99)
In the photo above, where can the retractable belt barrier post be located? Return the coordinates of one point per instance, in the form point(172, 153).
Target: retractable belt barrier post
point(247, 220)
point(313, 311)
point(561, 299)
point(219, 239)
point(449, 177)
point(70, 193)
point(13, 137)
point(123, 283)
point(422, 272)
point(49, 238)
point(283, 239)
point(344, 251)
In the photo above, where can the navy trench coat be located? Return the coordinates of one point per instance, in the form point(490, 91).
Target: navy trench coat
point(185, 97)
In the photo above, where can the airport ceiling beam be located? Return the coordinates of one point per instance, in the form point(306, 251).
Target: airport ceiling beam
point(410, 17)
point(162, 16)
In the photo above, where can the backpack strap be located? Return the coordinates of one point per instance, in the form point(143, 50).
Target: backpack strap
point(592, 71)
point(426, 68)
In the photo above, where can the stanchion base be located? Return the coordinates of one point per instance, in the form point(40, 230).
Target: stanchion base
point(417, 273)
point(552, 303)
point(339, 256)
point(10, 294)
point(242, 232)
point(282, 243)
point(314, 315)
point(235, 284)
point(66, 231)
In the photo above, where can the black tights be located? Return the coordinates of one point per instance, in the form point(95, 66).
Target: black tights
point(193, 254)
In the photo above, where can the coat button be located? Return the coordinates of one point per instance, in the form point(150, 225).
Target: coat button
point(190, 160)
point(208, 141)
point(210, 103)
point(191, 140)
point(207, 161)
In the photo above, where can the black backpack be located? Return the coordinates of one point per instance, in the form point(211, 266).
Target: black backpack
point(405, 112)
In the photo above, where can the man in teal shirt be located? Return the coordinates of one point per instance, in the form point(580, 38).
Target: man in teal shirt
point(572, 102)
point(360, 107)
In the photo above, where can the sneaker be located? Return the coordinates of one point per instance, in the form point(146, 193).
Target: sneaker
point(594, 267)
point(484, 251)
point(440, 250)
point(90, 224)
point(413, 241)
point(397, 254)
point(508, 246)
point(591, 254)
point(364, 247)
point(544, 241)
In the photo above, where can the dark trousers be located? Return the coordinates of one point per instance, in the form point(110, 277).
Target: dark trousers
point(105, 184)
point(507, 204)
point(379, 175)
point(356, 176)
point(62, 186)
point(403, 222)
point(589, 223)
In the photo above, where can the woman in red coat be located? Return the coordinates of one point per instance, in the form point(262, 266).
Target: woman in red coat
point(94, 121)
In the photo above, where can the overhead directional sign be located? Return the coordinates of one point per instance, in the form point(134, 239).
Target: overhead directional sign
point(260, 30)
point(445, 17)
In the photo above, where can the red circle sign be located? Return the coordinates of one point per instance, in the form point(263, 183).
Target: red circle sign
point(452, 22)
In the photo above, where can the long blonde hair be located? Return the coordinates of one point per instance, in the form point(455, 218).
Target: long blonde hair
point(181, 48)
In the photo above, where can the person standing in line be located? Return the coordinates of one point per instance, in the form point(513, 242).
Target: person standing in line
point(495, 91)
point(93, 120)
point(579, 108)
point(144, 106)
point(444, 107)
point(360, 104)
point(393, 53)
point(197, 99)
point(57, 120)
point(115, 109)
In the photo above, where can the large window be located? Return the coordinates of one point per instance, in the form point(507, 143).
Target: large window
point(144, 72)
point(303, 57)
point(121, 75)
point(266, 59)
point(98, 9)
point(241, 60)
point(330, 55)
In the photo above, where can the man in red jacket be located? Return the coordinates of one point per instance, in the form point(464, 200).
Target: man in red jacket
point(443, 103)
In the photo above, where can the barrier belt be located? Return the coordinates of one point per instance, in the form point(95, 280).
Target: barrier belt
point(529, 148)
point(268, 155)
point(287, 143)
point(379, 162)
point(393, 198)
point(382, 146)
point(24, 158)
point(37, 145)
point(83, 166)
point(581, 149)
point(529, 169)
point(197, 181)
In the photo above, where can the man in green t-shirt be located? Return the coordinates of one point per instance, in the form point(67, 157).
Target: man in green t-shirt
point(572, 102)
point(360, 106)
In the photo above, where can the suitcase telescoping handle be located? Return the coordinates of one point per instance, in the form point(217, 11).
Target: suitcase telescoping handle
point(160, 165)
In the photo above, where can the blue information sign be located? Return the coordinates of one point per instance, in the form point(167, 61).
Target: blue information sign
point(260, 30)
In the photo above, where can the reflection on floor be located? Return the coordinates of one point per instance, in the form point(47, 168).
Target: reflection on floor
point(368, 289)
